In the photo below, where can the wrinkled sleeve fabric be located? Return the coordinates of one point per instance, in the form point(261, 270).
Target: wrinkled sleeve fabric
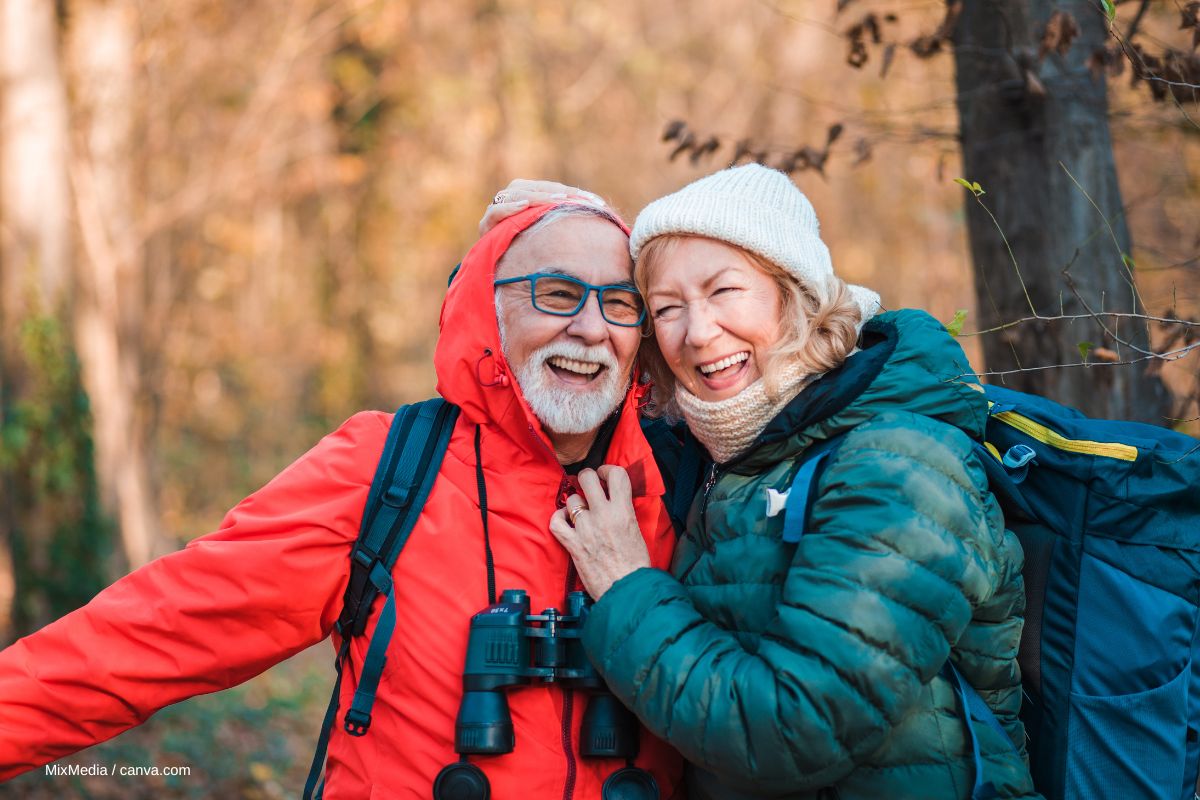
point(265, 585)
point(897, 556)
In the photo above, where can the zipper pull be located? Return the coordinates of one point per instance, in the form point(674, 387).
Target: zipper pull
point(712, 479)
point(565, 489)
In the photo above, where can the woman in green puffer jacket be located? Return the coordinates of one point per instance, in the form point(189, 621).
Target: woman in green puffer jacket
point(809, 669)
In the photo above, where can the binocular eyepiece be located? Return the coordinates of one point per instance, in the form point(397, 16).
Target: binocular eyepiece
point(509, 647)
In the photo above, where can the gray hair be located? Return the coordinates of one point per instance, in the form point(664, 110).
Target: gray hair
point(557, 214)
point(568, 210)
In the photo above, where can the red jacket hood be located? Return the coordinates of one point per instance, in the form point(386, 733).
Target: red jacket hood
point(471, 369)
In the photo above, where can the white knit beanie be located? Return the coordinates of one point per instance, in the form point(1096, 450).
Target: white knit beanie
point(758, 209)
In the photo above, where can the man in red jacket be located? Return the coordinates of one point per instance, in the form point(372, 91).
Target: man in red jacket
point(543, 380)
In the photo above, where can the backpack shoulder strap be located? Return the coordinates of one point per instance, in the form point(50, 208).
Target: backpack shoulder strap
point(412, 457)
point(795, 512)
point(409, 465)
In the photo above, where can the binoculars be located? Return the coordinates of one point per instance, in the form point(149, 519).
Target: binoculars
point(509, 647)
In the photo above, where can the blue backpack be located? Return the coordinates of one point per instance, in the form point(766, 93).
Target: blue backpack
point(1108, 514)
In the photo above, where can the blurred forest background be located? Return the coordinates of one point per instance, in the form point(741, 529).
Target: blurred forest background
point(225, 227)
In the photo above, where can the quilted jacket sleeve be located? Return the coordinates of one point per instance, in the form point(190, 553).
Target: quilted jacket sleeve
point(264, 586)
point(898, 555)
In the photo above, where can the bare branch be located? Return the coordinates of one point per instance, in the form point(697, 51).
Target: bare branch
point(1075, 317)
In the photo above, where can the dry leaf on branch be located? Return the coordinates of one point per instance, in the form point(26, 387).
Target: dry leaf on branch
point(686, 142)
point(705, 148)
point(862, 152)
point(1105, 60)
point(856, 35)
point(946, 29)
point(674, 130)
point(1060, 31)
point(1190, 16)
point(889, 53)
point(926, 46)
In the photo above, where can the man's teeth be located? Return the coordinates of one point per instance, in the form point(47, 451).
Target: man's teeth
point(571, 365)
point(724, 363)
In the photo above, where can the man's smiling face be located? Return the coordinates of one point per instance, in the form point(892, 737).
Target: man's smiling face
point(573, 371)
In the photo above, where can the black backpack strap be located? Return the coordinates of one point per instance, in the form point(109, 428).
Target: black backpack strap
point(412, 457)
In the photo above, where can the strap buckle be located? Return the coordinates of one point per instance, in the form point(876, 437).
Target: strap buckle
point(356, 722)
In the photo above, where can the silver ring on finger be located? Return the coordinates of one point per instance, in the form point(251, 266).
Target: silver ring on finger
point(499, 198)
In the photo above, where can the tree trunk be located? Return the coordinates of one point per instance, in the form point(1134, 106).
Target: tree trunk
point(35, 235)
point(1031, 126)
point(52, 540)
point(109, 307)
point(35, 252)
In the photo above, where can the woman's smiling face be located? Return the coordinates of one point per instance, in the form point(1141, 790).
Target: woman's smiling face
point(716, 316)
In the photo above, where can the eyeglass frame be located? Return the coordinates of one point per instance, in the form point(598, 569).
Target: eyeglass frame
point(588, 287)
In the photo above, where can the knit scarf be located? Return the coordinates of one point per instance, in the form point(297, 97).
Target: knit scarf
point(727, 427)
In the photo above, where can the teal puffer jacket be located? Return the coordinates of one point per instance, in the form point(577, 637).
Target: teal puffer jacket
point(810, 670)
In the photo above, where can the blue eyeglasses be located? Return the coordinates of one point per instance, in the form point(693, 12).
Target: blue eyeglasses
point(564, 296)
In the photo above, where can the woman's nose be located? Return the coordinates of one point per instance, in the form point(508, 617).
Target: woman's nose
point(702, 325)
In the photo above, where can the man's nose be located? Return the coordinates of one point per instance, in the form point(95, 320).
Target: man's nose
point(702, 326)
point(589, 324)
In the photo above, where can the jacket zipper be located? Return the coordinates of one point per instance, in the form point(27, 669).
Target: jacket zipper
point(568, 714)
point(565, 487)
point(713, 474)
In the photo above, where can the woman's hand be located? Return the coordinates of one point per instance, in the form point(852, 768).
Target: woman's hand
point(522, 193)
point(605, 541)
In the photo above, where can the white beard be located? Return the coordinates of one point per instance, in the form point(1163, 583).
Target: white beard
point(563, 410)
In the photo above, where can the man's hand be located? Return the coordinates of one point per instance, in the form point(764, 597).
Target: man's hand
point(522, 193)
point(605, 542)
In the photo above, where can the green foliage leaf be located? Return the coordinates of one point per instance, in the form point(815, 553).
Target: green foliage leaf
point(1128, 262)
point(954, 326)
point(1084, 349)
point(972, 186)
point(1110, 10)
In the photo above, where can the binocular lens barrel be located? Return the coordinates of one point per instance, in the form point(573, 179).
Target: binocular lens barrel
point(609, 729)
point(484, 725)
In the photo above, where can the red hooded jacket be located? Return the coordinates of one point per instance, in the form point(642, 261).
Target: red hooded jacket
point(269, 583)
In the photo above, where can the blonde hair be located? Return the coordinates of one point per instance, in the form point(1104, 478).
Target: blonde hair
point(818, 330)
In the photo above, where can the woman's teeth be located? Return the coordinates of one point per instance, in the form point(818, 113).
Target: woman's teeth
point(571, 365)
point(724, 363)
